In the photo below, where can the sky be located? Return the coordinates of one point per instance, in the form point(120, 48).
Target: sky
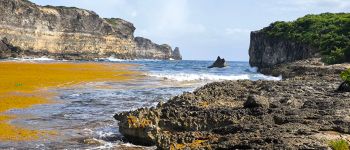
point(204, 29)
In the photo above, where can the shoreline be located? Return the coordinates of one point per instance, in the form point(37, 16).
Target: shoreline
point(21, 90)
point(301, 111)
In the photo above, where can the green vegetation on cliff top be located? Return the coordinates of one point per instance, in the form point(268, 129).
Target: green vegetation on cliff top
point(328, 32)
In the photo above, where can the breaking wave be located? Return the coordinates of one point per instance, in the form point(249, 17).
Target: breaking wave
point(210, 77)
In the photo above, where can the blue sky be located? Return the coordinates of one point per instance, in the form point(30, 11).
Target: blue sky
point(204, 29)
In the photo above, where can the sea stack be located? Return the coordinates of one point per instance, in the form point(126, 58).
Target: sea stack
point(219, 63)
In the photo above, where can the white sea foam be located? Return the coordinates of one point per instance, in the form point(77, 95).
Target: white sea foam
point(113, 59)
point(34, 59)
point(210, 77)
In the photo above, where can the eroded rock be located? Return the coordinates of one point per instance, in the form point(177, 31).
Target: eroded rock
point(287, 114)
point(254, 101)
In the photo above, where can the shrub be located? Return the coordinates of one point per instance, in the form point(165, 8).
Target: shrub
point(345, 75)
point(339, 145)
point(328, 32)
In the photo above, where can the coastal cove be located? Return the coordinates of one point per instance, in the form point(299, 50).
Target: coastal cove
point(73, 75)
point(80, 114)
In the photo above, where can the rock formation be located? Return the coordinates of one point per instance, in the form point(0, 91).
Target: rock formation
point(267, 52)
point(303, 112)
point(344, 87)
point(219, 63)
point(72, 33)
point(176, 54)
point(145, 48)
point(7, 50)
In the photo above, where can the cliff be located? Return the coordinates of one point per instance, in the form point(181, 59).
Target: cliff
point(266, 51)
point(72, 33)
point(145, 48)
point(323, 36)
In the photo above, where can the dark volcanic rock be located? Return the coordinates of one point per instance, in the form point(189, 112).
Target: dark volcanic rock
point(219, 63)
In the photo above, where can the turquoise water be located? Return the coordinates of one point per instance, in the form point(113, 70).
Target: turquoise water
point(85, 112)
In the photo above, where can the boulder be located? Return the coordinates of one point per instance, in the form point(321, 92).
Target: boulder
point(255, 101)
point(219, 63)
point(344, 87)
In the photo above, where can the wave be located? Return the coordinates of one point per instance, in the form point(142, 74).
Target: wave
point(34, 59)
point(113, 59)
point(210, 77)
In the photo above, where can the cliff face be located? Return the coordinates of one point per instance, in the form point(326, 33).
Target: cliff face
point(145, 48)
point(267, 52)
point(70, 32)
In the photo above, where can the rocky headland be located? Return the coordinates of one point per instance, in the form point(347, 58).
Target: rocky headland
point(302, 111)
point(71, 33)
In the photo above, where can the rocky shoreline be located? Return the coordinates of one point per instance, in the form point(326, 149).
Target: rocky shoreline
point(303, 111)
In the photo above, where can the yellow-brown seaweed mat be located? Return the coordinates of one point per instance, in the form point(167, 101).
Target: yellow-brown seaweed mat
point(23, 84)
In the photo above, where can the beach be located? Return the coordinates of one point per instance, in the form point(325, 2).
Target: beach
point(25, 84)
point(51, 103)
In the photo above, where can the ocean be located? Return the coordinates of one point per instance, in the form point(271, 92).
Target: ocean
point(83, 116)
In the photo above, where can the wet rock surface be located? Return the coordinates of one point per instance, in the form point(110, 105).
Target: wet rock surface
point(300, 112)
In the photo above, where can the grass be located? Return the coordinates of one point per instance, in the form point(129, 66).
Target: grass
point(24, 84)
point(339, 145)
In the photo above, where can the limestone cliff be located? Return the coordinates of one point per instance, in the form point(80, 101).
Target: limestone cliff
point(71, 33)
point(145, 48)
point(266, 51)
